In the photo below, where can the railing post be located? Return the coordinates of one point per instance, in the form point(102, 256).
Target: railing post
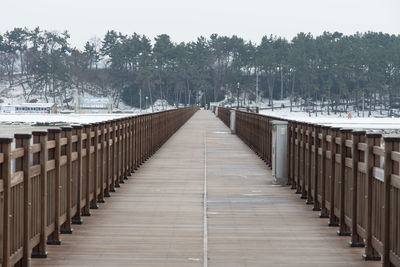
point(125, 149)
point(118, 153)
point(135, 143)
point(54, 238)
point(390, 142)
point(112, 156)
point(298, 159)
point(332, 218)
point(103, 165)
point(95, 167)
point(138, 136)
point(141, 140)
point(128, 147)
point(145, 143)
point(151, 135)
point(124, 175)
point(263, 126)
point(108, 171)
point(77, 219)
point(122, 151)
point(142, 137)
point(317, 129)
point(24, 141)
point(342, 224)
point(132, 144)
point(5, 144)
point(303, 142)
point(88, 167)
point(291, 155)
point(373, 139)
point(67, 228)
point(324, 211)
point(41, 250)
point(309, 158)
point(356, 240)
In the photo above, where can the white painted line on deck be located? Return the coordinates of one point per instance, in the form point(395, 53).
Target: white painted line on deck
point(205, 223)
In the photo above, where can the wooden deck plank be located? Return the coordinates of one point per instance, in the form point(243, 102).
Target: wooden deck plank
point(156, 217)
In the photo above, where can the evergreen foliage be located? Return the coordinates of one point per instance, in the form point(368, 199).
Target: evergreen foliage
point(331, 68)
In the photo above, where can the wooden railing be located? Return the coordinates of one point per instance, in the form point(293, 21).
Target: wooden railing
point(349, 176)
point(50, 181)
point(225, 115)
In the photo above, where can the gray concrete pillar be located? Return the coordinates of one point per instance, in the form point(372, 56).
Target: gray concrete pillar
point(233, 121)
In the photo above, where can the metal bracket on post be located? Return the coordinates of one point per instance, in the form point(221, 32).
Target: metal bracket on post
point(233, 121)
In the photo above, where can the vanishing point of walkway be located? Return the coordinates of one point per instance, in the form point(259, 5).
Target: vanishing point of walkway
point(157, 217)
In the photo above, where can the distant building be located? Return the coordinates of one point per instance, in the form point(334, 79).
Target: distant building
point(29, 108)
point(214, 104)
point(93, 105)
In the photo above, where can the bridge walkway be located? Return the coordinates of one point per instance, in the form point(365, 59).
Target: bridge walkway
point(157, 217)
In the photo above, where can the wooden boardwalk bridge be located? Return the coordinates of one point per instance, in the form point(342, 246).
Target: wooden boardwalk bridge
point(203, 199)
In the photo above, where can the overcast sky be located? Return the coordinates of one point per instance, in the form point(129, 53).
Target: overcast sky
point(185, 20)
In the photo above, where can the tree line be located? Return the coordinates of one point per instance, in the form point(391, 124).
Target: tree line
point(331, 68)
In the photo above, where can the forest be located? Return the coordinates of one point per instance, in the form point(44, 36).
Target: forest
point(338, 70)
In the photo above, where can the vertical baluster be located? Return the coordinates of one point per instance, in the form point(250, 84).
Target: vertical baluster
point(298, 159)
point(132, 144)
point(129, 150)
point(24, 141)
point(77, 219)
point(119, 153)
point(112, 156)
point(67, 228)
point(54, 238)
point(356, 240)
point(332, 147)
point(390, 142)
point(122, 151)
point(373, 139)
point(324, 211)
point(88, 167)
point(309, 158)
point(103, 164)
point(108, 142)
point(5, 144)
point(41, 250)
point(95, 167)
point(343, 231)
point(292, 155)
point(317, 130)
point(303, 156)
point(126, 146)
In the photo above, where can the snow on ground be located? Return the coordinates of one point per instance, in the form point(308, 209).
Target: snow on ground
point(60, 118)
point(376, 121)
point(15, 95)
point(371, 122)
point(76, 118)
